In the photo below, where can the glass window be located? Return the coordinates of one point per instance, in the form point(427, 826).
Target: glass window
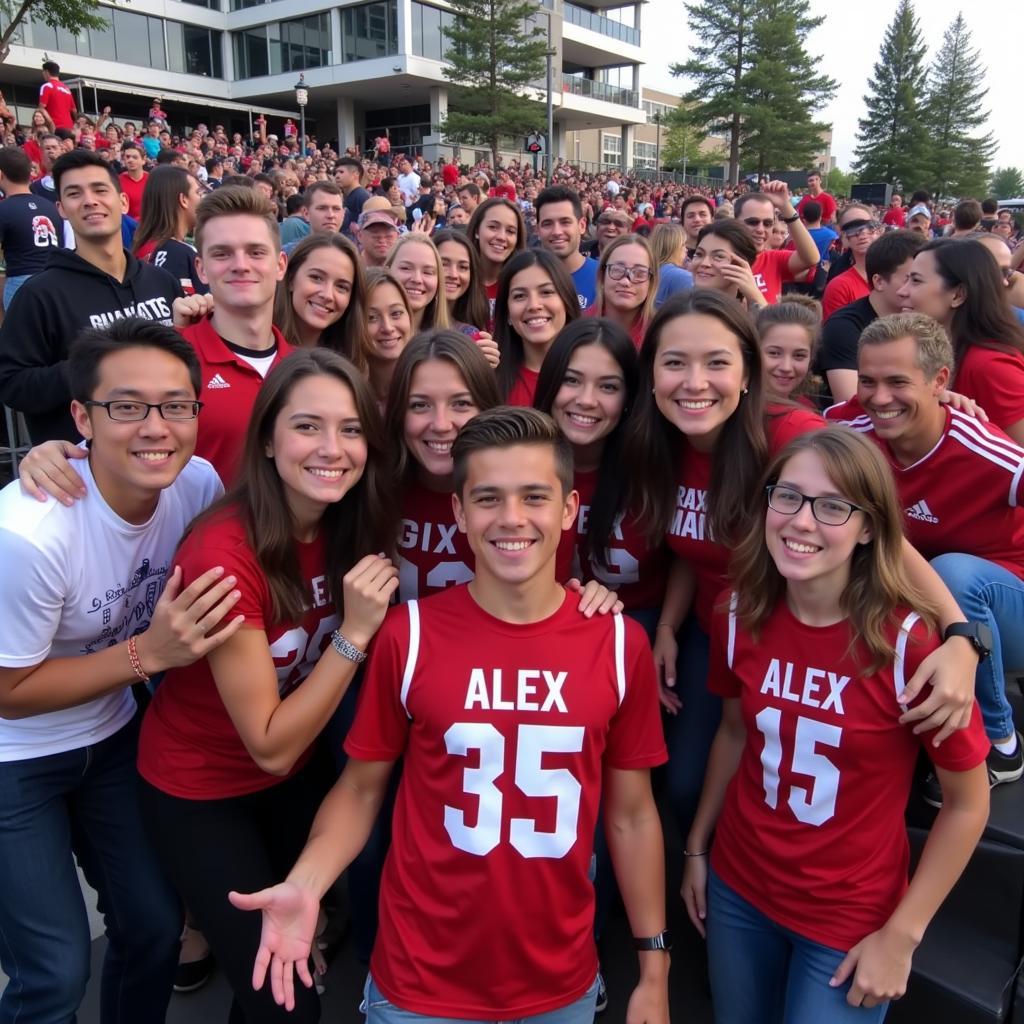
point(431, 32)
point(447, 22)
point(41, 36)
point(198, 58)
point(369, 30)
point(417, 29)
point(611, 150)
point(132, 35)
point(645, 155)
point(175, 46)
point(251, 57)
point(67, 42)
point(157, 52)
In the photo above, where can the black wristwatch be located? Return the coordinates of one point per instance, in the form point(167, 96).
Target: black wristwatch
point(790, 220)
point(661, 942)
point(978, 633)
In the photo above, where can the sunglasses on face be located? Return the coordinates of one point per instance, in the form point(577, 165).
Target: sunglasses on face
point(753, 222)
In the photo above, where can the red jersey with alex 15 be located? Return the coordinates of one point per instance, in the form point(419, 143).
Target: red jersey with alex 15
point(965, 495)
point(433, 553)
point(486, 909)
point(636, 571)
point(189, 747)
point(688, 534)
point(811, 830)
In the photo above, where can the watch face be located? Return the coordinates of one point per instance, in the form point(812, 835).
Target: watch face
point(984, 636)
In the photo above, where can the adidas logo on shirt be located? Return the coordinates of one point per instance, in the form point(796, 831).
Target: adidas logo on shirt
point(922, 512)
point(217, 381)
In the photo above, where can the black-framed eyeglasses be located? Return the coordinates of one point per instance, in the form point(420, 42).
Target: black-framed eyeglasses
point(637, 274)
point(753, 222)
point(124, 411)
point(826, 509)
point(860, 229)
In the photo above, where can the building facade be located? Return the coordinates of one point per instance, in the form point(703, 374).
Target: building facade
point(367, 66)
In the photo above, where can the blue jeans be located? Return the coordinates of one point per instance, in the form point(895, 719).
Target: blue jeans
point(762, 973)
point(986, 592)
point(690, 732)
point(82, 802)
point(379, 1011)
point(11, 286)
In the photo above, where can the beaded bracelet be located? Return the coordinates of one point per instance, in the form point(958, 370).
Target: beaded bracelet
point(133, 658)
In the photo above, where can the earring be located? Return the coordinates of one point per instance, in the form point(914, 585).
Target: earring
point(746, 391)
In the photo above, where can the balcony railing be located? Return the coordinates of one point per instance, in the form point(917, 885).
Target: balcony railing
point(579, 86)
point(597, 23)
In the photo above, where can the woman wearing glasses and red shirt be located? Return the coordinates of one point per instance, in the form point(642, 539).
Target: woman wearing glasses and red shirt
point(627, 281)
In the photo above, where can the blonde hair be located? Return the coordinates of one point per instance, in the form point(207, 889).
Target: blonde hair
point(667, 241)
point(435, 314)
point(878, 588)
point(235, 201)
point(646, 311)
point(934, 349)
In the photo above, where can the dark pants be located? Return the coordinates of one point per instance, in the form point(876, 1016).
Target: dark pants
point(249, 842)
point(690, 732)
point(83, 802)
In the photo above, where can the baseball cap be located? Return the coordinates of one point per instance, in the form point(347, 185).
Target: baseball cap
point(377, 217)
point(919, 209)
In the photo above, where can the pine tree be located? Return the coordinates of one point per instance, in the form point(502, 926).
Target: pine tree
point(782, 89)
point(1007, 183)
point(716, 103)
point(960, 156)
point(496, 54)
point(892, 137)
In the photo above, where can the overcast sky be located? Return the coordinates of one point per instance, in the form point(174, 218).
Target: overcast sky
point(848, 42)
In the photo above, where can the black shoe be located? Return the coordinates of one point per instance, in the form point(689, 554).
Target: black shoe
point(602, 995)
point(1005, 767)
point(1002, 768)
point(193, 975)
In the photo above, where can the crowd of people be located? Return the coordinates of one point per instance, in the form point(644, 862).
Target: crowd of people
point(595, 475)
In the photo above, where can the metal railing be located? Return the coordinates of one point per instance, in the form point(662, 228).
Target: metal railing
point(597, 23)
point(579, 86)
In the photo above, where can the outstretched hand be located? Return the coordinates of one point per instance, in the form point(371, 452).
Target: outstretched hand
point(289, 922)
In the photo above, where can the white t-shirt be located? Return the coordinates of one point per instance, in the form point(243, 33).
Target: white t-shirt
point(78, 579)
point(409, 186)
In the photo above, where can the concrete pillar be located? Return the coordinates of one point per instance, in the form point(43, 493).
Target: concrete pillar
point(335, 15)
point(346, 122)
point(627, 146)
point(637, 8)
point(435, 144)
point(404, 27)
point(438, 105)
point(227, 56)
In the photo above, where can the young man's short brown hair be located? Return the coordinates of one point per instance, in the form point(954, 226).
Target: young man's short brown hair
point(506, 426)
point(236, 201)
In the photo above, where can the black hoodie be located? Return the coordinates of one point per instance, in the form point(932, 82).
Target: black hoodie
point(47, 314)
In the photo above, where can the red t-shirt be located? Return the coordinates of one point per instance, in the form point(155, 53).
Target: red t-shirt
point(228, 393)
point(433, 552)
point(994, 378)
point(896, 216)
point(524, 388)
point(189, 747)
point(486, 910)
point(146, 250)
point(844, 288)
point(828, 206)
point(966, 494)
point(133, 190)
point(57, 100)
point(687, 535)
point(637, 328)
point(635, 571)
point(33, 152)
point(771, 272)
point(811, 831)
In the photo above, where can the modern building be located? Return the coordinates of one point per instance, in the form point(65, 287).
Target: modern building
point(368, 66)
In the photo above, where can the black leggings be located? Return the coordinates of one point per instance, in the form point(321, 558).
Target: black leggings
point(210, 847)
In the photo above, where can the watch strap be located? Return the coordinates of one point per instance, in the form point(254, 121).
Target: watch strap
point(662, 942)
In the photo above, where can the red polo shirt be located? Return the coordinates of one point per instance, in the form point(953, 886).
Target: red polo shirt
point(228, 391)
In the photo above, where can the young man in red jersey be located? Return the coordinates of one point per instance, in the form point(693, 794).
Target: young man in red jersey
point(961, 482)
point(774, 267)
point(511, 711)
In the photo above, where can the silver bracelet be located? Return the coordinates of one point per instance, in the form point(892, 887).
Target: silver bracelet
point(346, 648)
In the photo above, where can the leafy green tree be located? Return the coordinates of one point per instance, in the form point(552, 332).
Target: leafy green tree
point(73, 15)
point(687, 149)
point(495, 58)
point(893, 143)
point(838, 182)
point(716, 102)
point(1007, 183)
point(960, 153)
point(782, 88)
